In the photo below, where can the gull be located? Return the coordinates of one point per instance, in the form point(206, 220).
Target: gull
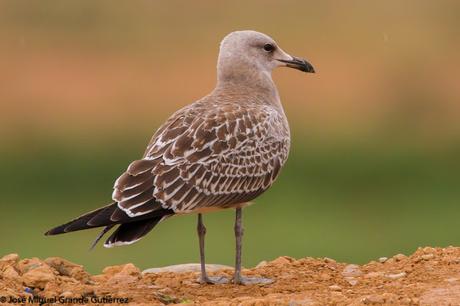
point(219, 152)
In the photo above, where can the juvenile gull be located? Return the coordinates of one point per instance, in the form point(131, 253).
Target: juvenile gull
point(219, 152)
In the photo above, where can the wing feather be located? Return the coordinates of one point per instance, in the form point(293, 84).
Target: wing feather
point(206, 157)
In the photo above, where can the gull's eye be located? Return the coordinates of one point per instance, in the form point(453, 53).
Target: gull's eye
point(269, 47)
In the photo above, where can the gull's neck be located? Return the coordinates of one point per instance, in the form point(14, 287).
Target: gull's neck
point(254, 83)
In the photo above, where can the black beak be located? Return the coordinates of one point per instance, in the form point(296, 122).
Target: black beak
point(300, 64)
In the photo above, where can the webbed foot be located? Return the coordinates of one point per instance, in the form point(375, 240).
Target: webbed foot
point(214, 280)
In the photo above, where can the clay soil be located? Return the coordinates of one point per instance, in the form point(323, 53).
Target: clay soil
point(430, 276)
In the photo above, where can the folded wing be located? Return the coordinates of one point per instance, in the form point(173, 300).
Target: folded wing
point(205, 158)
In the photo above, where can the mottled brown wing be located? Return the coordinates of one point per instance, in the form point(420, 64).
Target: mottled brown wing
point(206, 157)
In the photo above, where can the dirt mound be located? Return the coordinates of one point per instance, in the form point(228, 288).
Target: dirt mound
point(431, 276)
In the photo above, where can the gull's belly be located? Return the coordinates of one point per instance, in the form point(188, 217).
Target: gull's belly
point(203, 210)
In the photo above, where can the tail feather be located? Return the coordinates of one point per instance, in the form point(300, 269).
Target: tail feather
point(101, 234)
point(128, 233)
point(80, 222)
point(105, 216)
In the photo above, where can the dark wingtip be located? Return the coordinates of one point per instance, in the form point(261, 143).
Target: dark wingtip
point(81, 222)
point(55, 231)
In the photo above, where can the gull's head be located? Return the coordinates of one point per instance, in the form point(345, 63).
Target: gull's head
point(242, 51)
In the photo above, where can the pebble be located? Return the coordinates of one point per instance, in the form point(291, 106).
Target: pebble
point(396, 276)
point(399, 257)
point(351, 280)
point(335, 288)
point(10, 258)
point(390, 261)
point(352, 270)
point(427, 250)
point(383, 259)
point(329, 260)
point(427, 256)
point(261, 264)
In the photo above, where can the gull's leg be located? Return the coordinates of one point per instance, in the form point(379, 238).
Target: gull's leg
point(239, 231)
point(237, 278)
point(204, 279)
point(201, 229)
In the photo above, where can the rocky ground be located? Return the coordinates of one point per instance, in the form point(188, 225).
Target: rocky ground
point(430, 276)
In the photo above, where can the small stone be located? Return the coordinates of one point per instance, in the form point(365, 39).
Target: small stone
point(427, 256)
point(383, 259)
point(428, 250)
point(335, 288)
point(329, 260)
point(351, 280)
point(351, 271)
point(261, 264)
point(10, 258)
point(372, 263)
point(399, 257)
point(390, 261)
point(397, 275)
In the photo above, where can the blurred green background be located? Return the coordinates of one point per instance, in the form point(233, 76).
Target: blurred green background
point(375, 163)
